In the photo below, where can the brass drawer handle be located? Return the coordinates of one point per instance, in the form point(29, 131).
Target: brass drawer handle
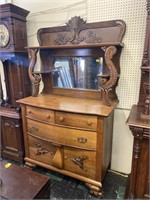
point(61, 119)
point(89, 123)
point(82, 140)
point(40, 149)
point(34, 128)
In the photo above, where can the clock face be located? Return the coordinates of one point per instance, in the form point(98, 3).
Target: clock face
point(4, 35)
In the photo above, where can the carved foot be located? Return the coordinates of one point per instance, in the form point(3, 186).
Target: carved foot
point(29, 165)
point(94, 190)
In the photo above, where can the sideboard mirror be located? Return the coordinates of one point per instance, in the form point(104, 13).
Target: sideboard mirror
point(77, 72)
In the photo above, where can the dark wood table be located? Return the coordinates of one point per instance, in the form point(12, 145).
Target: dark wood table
point(22, 183)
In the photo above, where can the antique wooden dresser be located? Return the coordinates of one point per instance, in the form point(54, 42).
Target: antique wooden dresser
point(68, 126)
point(139, 124)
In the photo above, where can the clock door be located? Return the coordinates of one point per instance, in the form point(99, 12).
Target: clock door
point(4, 35)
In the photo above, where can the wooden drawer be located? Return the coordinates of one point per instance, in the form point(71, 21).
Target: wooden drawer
point(80, 162)
point(63, 135)
point(41, 150)
point(40, 114)
point(76, 120)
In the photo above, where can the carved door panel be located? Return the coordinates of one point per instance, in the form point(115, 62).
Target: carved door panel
point(45, 151)
point(79, 161)
point(12, 139)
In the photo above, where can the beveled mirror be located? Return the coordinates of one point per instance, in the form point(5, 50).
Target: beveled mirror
point(77, 72)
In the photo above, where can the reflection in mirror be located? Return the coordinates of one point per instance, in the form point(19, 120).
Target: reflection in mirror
point(77, 72)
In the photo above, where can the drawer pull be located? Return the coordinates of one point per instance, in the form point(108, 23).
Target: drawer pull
point(48, 116)
point(29, 112)
point(82, 140)
point(89, 123)
point(39, 149)
point(61, 119)
point(37, 144)
point(34, 128)
point(79, 161)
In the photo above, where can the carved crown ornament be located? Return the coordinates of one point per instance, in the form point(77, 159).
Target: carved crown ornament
point(75, 26)
point(78, 32)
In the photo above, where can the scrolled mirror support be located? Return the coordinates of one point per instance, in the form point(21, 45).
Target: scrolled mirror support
point(35, 78)
point(107, 82)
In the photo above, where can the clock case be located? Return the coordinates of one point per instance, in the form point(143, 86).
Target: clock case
point(14, 58)
point(14, 18)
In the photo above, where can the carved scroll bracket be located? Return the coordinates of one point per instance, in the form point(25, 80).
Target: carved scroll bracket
point(107, 82)
point(35, 78)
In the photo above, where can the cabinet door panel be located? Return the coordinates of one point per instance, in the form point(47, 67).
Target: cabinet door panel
point(80, 162)
point(41, 151)
point(142, 187)
point(11, 135)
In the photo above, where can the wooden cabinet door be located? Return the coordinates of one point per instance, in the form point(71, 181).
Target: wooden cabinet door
point(142, 186)
point(12, 138)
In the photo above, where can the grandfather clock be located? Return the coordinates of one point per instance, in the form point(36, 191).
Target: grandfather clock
point(14, 57)
point(139, 124)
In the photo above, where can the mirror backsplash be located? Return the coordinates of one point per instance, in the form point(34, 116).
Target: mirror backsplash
point(77, 72)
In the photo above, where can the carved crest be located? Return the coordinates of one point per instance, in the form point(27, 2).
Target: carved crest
point(75, 26)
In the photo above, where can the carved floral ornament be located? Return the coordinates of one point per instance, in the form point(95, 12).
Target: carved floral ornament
point(75, 26)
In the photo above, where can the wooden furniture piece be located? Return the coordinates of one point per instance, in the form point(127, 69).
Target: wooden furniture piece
point(14, 58)
point(68, 127)
point(22, 183)
point(139, 124)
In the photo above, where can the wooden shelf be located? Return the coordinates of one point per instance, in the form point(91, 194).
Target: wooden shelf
point(78, 46)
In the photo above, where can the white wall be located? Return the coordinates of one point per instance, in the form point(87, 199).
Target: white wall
point(46, 13)
point(122, 142)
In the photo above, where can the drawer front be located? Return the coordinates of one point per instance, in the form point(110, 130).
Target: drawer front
point(76, 120)
point(80, 162)
point(41, 151)
point(40, 114)
point(63, 135)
